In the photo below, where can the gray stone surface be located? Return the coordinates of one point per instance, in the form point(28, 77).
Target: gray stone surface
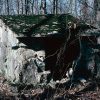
point(17, 63)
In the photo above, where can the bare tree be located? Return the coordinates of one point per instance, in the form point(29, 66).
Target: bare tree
point(84, 9)
point(18, 6)
point(36, 8)
point(97, 12)
point(7, 6)
point(32, 7)
point(55, 6)
point(95, 8)
point(43, 7)
point(50, 6)
point(1, 6)
point(27, 8)
point(22, 9)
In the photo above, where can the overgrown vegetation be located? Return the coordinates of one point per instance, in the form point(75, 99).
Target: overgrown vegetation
point(23, 17)
point(38, 24)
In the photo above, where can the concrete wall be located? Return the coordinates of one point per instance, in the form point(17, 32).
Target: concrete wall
point(16, 61)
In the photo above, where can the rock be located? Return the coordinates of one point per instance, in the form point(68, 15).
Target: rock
point(82, 80)
point(52, 83)
point(19, 64)
point(69, 73)
point(30, 63)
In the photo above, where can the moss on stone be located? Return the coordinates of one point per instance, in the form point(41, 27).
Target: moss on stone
point(38, 24)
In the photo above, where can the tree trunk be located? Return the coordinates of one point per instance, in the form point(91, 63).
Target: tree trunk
point(1, 6)
point(32, 8)
point(36, 7)
point(22, 7)
point(43, 7)
point(84, 10)
point(55, 6)
point(18, 7)
point(27, 8)
point(97, 11)
point(7, 6)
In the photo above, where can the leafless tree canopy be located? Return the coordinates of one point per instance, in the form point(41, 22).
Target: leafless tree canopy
point(84, 9)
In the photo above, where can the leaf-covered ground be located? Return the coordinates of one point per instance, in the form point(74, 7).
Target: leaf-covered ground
point(10, 92)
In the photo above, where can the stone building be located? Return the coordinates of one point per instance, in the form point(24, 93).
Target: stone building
point(26, 41)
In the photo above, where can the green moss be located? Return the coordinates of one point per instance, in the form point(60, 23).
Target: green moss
point(37, 24)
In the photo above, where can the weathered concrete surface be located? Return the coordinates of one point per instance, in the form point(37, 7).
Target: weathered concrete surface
point(18, 63)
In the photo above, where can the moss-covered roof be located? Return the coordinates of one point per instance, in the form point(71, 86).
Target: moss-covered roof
point(38, 24)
